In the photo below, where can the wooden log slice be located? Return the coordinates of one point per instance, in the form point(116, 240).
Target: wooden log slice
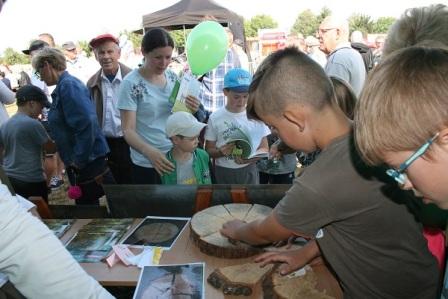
point(205, 226)
point(157, 232)
point(239, 279)
point(278, 286)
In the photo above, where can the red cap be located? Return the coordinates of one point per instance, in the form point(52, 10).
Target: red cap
point(102, 38)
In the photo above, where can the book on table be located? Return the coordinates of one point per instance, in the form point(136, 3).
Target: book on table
point(187, 86)
point(93, 242)
point(58, 226)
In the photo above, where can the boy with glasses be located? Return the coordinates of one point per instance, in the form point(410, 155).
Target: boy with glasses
point(401, 120)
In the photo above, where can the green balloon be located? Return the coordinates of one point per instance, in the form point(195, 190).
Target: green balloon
point(206, 47)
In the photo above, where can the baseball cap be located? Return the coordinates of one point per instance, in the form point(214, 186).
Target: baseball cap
point(32, 93)
point(35, 45)
point(95, 42)
point(237, 80)
point(68, 46)
point(184, 124)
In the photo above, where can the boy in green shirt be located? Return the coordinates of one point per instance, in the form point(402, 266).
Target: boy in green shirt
point(191, 163)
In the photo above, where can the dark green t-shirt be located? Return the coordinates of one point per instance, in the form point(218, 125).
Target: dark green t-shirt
point(362, 226)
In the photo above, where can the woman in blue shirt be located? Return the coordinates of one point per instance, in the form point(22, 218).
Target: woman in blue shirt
point(145, 106)
point(74, 127)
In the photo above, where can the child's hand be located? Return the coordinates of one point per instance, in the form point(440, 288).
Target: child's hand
point(274, 153)
point(291, 260)
point(239, 160)
point(294, 259)
point(192, 103)
point(287, 243)
point(227, 149)
point(230, 228)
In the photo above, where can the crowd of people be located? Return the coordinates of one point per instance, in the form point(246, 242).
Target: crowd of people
point(116, 126)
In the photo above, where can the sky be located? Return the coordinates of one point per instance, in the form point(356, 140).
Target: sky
point(22, 20)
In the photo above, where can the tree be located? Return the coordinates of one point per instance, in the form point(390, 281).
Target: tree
point(306, 23)
point(258, 22)
point(361, 23)
point(135, 38)
point(383, 24)
point(180, 38)
point(324, 12)
point(12, 57)
point(84, 45)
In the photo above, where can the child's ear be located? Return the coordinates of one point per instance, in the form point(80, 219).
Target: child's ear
point(443, 137)
point(295, 115)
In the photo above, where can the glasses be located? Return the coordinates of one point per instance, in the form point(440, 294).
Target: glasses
point(398, 174)
point(37, 74)
point(323, 31)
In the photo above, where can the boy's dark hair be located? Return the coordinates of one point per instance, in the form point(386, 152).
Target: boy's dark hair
point(156, 38)
point(29, 93)
point(345, 96)
point(285, 77)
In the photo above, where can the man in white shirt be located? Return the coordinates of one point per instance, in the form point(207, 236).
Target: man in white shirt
point(103, 86)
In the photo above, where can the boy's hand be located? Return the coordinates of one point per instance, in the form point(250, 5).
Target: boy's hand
point(239, 160)
point(227, 149)
point(192, 103)
point(294, 259)
point(230, 227)
point(286, 243)
point(291, 260)
point(274, 153)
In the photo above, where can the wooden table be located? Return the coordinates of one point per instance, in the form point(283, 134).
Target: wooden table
point(185, 251)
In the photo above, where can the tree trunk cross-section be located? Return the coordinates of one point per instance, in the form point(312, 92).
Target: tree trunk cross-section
point(278, 286)
point(157, 232)
point(205, 226)
point(239, 279)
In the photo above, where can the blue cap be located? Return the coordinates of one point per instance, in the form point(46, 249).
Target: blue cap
point(237, 80)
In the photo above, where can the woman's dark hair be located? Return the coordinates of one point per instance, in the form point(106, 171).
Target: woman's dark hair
point(156, 38)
